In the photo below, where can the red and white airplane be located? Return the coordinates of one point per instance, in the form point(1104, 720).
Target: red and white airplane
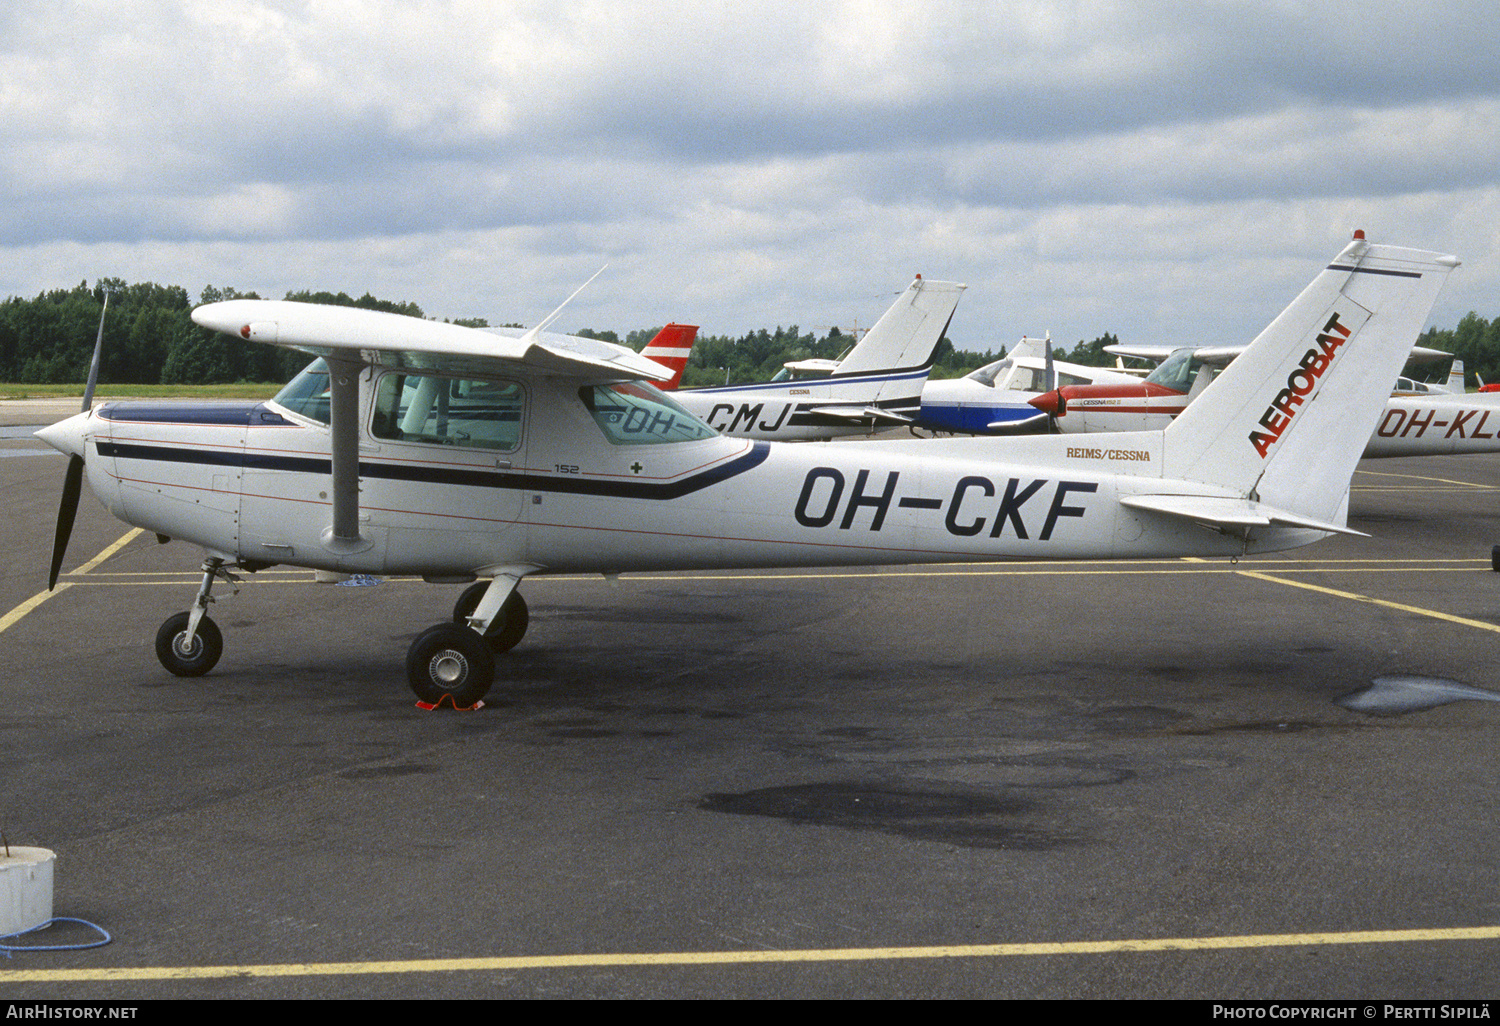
point(1418, 419)
point(462, 455)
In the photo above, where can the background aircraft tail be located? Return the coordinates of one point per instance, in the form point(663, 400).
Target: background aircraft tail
point(671, 348)
point(1456, 377)
point(1284, 425)
point(907, 334)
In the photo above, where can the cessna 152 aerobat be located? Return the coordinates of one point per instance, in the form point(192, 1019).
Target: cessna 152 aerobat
point(878, 384)
point(422, 448)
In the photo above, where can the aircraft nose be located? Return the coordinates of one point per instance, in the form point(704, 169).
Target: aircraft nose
point(67, 436)
point(1049, 403)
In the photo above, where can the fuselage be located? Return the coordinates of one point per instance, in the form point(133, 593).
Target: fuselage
point(458, 476)
point(809, 409)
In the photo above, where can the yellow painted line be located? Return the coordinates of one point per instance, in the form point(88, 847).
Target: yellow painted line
point(109, 550)
point(1435, 614)
point(1427, 489)
point(1439, 480)
point(14, 617)
point(689, 958)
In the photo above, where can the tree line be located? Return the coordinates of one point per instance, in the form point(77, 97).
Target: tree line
point(150, 338)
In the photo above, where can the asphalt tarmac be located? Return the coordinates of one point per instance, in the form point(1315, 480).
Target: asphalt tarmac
point(1010, 780)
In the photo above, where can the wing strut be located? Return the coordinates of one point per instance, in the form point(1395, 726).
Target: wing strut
point(343, 536)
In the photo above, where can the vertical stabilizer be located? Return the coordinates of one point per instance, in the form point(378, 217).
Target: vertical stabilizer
point(1286, 422)
point(1456, 377)
point(671, 348)
point(907, 334)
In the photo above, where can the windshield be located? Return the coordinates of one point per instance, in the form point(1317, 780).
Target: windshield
point(634, 414)
point(307, 393)
point(1175, 372)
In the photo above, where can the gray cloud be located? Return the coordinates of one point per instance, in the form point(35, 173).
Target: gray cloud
point(1077, 163)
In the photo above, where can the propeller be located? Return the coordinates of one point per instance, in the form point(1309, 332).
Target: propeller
point(1054, 409)
point(67, 510)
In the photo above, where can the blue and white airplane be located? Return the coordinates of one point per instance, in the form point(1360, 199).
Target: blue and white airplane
point(458, 455)
point(996, 399)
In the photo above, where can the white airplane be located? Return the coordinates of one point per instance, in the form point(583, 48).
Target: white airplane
point(421, 448)
point(996, 398)
point(878, 384)
point(1453, 386)
point(1418, 420)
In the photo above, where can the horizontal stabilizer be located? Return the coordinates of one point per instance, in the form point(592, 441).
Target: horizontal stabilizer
point(860, 413)
point(1229, 513)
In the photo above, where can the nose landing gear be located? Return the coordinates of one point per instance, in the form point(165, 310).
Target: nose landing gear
point(189, 644)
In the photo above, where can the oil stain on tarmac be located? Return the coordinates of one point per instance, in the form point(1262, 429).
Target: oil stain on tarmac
point(952, 816)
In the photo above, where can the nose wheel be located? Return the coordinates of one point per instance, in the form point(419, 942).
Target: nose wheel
point(189, 656)
point(189, 644)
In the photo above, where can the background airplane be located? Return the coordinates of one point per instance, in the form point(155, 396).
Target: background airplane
point(996, 398)
point(1418, 420)
point(422, 448)
point(877, 384)
point(671, 348)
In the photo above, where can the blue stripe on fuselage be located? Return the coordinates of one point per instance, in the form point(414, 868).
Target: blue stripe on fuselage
point(226, 413)
point(475, 478)
point(969, 418)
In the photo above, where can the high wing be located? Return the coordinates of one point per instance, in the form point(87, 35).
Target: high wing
point(1220, 355)
point(396, 341)
point(1216, 356)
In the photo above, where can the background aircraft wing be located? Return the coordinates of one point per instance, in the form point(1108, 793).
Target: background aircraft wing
point(1216, 355)
point(393, 340)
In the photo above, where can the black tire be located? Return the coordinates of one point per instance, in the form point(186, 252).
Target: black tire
point(1495, 558)
point(450, 659)
point(207, 647)
point(507, 629)
point(469, 601)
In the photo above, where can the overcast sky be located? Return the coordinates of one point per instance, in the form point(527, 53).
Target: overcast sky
point(1170, 172)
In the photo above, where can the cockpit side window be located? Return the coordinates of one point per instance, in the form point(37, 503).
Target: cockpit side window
point(448, 411)
point(634, 414)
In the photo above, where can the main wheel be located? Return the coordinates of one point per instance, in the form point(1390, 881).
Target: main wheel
point(189, 660)
point(450, 659)
point(506, 629)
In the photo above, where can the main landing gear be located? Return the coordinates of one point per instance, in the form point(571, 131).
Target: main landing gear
point(456, 659)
